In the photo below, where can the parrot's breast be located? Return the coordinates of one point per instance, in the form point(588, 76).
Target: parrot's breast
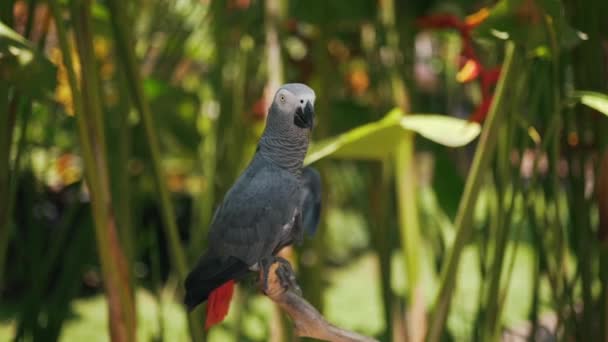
point(258, 214)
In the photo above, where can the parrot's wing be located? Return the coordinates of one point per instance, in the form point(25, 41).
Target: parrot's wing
point(258, 213)
point(311, 200)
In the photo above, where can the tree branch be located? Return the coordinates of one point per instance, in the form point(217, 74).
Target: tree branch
point(308, 322)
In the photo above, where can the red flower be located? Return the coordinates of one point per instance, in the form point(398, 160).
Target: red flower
point(480, 113)
point(490, 77)
point(471, 68)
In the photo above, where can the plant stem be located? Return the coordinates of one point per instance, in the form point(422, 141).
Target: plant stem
point(5, 220)
point(405, 182)
point(4, 178)
point(463, 223)
point(120, 301)
point(120, 141)
point(126, 52)
point(382, 238)
point(207, 159)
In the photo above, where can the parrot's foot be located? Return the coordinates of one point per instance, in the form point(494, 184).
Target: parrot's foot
point(283, 271)
point(287, 277)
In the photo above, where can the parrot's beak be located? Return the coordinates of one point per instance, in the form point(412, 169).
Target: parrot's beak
point(305, 117)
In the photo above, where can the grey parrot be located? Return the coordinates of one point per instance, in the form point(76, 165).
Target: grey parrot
point(269, 207)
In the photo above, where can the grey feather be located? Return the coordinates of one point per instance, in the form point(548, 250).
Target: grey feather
point(262, 211)
point(311, 200)
point(250, 223)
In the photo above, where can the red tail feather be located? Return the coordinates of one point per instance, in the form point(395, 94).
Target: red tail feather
point(218, 304)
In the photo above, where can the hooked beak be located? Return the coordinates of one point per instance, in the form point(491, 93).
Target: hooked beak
point(305, 117)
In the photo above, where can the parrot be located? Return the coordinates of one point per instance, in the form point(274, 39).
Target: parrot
point(270, 206)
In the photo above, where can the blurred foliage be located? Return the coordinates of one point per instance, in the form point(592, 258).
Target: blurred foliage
point(122, 125)
point(23, 66)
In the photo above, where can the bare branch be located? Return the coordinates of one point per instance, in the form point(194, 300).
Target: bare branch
point(308, 322)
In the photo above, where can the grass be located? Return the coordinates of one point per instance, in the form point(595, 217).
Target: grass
point(352, 301)
point(89, 322)
point(352, 298)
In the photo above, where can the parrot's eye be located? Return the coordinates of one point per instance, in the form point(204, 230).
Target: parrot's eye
point(282, 98)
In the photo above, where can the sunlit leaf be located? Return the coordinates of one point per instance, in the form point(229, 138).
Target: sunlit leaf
point(377, 140)
point(595, 100)
point(22, 66)
point(444, 130)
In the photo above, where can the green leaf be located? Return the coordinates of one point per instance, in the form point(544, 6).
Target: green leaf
point(23, 66)
point(595, 100)
point(444, 130)
point(377, 140)
point(372, 141)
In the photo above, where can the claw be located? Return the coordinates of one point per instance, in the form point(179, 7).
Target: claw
point(284, 273)
point(265, 269)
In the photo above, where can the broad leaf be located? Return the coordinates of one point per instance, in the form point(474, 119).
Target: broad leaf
point(595, 100)
point(377, 140)
point(444, 130)
point(22, 66)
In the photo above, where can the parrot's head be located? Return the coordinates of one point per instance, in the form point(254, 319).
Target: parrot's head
point(288, 125)
point(292, 109)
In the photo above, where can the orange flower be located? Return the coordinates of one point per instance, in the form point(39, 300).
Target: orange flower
point(473, 20)
point(469, 72)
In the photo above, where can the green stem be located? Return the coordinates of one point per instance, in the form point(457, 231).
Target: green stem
point(5, 221)
point(381, 238)
point(91, 172)
point(492, 300)
point(511, 266)
point(90, 88)
point(124, 42)
point(118, 128)
point(205, 201)
point(4, 177)
point(126, 52)
point(406, 186)
point(24, 109)
point(463, 223)
point(119, 295)
point(8, 181)
point(405, 182)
